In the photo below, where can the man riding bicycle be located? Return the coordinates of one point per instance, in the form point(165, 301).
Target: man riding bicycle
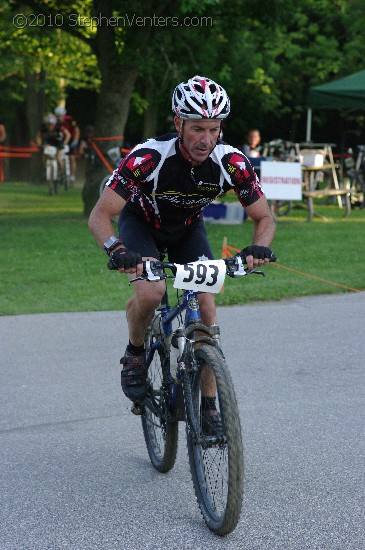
point(67, 123)
point(52, 134)
point(160, 190)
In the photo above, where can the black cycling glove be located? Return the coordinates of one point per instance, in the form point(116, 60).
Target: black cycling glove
point(258, 252)
point(122, 258)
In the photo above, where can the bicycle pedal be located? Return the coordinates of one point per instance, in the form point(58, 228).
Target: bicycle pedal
point(137, 409)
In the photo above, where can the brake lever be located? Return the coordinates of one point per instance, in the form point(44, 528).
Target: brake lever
point(255, 272)
point(137, 279)
point(241, 272)
point(149, 275)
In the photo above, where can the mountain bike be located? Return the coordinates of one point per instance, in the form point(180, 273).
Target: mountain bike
point(50, 155)
point(53, 177)
point(176, 390)
point(356, 174)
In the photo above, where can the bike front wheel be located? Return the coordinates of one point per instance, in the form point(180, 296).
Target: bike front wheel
point(215, 454)
point(159, 429)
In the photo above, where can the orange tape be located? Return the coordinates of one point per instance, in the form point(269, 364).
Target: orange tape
point(318, 278)
point(16, 149)
point(16, 155)
point(108, 138)
point(226, 252)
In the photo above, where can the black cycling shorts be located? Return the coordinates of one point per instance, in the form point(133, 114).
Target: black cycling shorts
point(188, 245)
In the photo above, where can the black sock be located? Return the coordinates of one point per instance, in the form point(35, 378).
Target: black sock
point(135, 350)
point(208, 403)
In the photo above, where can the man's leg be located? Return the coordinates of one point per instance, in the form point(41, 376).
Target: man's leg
point(60, 161)
point(209, 317)
point(140, 310)
point(211, 419)
point(141, 307)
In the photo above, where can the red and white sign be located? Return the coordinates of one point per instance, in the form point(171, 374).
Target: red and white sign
point(281, 180)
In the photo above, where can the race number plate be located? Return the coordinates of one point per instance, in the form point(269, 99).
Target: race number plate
point(203, 276)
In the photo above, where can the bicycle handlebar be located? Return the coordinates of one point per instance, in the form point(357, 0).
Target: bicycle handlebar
point(154, 270)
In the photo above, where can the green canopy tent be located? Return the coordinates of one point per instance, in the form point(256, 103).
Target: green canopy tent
point(345, 93)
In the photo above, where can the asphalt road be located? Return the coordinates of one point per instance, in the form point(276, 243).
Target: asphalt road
point(74, 469)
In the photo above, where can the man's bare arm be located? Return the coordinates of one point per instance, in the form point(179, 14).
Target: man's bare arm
point(108, 206)
point(264, 224)
point(264, 227)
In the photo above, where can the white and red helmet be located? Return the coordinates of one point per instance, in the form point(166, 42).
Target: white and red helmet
point(60, 111)
point(200, 97)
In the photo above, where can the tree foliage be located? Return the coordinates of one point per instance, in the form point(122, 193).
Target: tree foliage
point(266, 54)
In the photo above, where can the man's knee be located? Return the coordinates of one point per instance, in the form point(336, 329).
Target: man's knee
point(149, 295)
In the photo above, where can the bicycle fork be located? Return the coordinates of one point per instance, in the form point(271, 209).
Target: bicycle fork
point(191, 416)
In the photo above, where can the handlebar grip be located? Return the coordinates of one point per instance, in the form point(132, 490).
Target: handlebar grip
point(111, 264)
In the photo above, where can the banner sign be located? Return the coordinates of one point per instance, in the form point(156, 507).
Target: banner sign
point(281, 180)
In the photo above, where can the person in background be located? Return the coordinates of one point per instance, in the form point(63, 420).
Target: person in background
point(251, 147)
point(2, 130)
point(51, 133)
point(67, 121)
point(86, 141)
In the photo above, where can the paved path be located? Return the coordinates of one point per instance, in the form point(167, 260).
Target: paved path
point(74, 472)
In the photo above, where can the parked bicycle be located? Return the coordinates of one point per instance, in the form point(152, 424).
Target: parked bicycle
point(356, 175)
point(177, 390)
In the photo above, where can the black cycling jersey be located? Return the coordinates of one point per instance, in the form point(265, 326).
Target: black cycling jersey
point(54, 136)
point(164, 188)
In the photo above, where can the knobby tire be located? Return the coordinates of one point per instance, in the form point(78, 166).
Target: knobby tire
point(160, 431)
point(217, 470)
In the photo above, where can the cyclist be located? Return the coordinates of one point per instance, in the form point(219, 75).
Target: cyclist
point(68, 123)
point(160, 190)
point(51, 133)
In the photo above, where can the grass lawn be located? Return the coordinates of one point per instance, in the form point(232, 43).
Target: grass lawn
point(50, 262)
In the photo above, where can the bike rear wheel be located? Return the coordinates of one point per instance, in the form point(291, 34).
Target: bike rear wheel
point(216, 460)
point(159, 430)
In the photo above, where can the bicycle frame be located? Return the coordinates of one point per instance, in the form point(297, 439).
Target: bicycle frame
point(188, 303)
point(200, 391)
point(179, 338)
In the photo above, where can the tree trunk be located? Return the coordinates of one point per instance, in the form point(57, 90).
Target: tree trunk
point(111, 118)
point(119, 72)
point(150, 121)
point(34, 111)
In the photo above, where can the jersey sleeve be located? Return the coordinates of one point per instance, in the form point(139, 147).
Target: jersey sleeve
point(134, 171)
point(242, 177)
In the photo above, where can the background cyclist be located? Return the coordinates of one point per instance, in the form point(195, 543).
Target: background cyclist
point(68, 123)
point(51, 133)
point(160, 190)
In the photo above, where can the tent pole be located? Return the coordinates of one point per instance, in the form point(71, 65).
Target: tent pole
point(309, 124)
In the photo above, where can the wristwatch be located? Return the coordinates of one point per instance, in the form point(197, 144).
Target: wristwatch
point(111, 244)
